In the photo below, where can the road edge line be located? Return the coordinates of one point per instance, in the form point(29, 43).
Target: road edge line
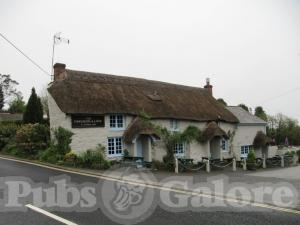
point(51, 215)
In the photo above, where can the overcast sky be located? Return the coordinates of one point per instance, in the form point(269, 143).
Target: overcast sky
point(249, 48)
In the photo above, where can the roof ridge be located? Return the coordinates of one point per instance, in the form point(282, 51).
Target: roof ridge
point(137, 79)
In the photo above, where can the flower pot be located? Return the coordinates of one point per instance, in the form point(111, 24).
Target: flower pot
point(251, 166)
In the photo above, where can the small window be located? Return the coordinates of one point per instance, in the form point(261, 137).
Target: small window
point(116, 121)
point(224, 145)
point(114, 146)
point(179, 149)
point(174, 125)
point(245, 150)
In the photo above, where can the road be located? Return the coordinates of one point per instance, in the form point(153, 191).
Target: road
point(221, 215)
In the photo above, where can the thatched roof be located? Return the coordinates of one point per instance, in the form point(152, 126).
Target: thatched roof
point(261, 140)
point(213, 130)
point(93, 93)
point(136, 127)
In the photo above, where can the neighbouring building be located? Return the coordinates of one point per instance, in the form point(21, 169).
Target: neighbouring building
point(249, 130)
point(103, 109)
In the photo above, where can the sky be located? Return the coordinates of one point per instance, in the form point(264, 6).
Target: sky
point(250, 49)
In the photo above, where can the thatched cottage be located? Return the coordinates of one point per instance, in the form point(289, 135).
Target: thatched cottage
point(103, 109)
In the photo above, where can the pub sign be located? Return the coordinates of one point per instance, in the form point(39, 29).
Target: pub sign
point(86, 121)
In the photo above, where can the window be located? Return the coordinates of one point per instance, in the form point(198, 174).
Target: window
point(179, 149)
point(114, 146)
point(224, 145)
point(116, 121)
point(174, 125)
point(245, 150)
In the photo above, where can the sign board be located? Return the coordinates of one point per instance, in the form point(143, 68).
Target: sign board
point(86, 121)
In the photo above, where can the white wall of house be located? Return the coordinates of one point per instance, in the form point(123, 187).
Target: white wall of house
point(244, 135)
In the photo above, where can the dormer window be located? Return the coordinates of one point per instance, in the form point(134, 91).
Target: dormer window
point(174, 125)
point(154, 96)
point(116, 121)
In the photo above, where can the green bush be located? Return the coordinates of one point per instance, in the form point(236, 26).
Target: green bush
point(251, 157)
point(93, 158)
point(30, 138)
point(63, 139)
point(49, 155)
point(126, 153)
point(59, 147)
point(12, 149)
point(7, 133)
point(290, 153)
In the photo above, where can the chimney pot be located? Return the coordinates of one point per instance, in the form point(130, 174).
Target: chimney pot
point(59, 71)
point(209, 87)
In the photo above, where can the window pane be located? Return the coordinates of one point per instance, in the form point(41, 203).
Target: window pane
point(111, 146)
point(118, 145)
point(120, 121)
point(113, 121)
point(179, 148)
point(114, 146)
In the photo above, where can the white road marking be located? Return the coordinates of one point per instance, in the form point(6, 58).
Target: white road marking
point(51, 215)
point(157, 186)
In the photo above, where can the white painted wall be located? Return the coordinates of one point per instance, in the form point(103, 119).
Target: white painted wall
point(244, 135)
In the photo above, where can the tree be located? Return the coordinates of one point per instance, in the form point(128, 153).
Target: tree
point(34, 109)
point(222, 101)
point(259, 112)
point(7, 89)
point(17, 105)
point(281, 126)
point(242, 105)
point(1, 98)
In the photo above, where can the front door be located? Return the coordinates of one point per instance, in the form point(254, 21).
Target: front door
point(139, 146)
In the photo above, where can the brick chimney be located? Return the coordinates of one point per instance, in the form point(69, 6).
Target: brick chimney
point(209, 87)
point(59, 71)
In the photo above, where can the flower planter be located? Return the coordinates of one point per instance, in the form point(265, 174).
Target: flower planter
point(251, 166)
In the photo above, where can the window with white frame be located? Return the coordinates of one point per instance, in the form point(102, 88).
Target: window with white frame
point(245, 150)
point(224, 144)
point(174, 125)
point(114, 146)
point(179, 149)
point(116, 121)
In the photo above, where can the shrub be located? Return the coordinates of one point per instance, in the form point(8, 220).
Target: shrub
point(30, 138)
point(7, 133)
point(63, 139)
point(93, 158)
point(59, 147)
point(251, 157)
point(49, 155)
point(12, 149)
point(126, 153)
point(290, 153)
point(70, 157)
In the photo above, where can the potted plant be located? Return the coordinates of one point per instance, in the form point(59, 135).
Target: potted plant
point(251, 161)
